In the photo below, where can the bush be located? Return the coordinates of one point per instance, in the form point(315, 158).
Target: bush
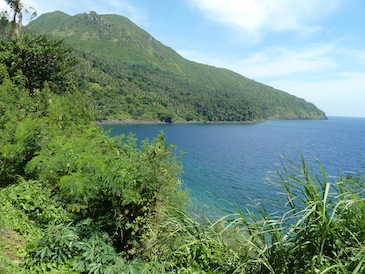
point(35, 200)
point(114, 182)
point(70, 247)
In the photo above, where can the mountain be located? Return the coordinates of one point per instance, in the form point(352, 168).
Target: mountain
point(131, 75)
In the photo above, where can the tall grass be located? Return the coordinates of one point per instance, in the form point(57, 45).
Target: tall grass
point(322, 230)
point(325, 223)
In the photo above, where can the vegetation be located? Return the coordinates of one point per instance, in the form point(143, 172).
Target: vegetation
point(39, 60)
point(14, 17)
point(133, 76)
point(74, 200)
point(60, 172)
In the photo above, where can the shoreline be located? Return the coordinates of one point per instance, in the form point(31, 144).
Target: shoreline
point(145, 122)
point(129, 122)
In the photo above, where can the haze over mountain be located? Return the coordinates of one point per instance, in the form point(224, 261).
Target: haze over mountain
point(131, 75)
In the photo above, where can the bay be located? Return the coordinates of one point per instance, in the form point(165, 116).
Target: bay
point(235, 163)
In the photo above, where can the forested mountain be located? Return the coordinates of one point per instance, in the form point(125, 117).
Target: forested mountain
point(131, 75)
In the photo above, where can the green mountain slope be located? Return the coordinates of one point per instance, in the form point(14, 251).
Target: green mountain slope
point(131, 75)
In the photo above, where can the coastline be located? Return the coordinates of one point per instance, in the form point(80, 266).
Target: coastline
point(144, 122)
point(157, 122)
point(129, 122)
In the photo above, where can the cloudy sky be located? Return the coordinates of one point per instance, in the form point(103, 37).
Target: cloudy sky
point(314, 49)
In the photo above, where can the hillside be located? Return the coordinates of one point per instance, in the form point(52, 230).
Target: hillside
point(131, 75)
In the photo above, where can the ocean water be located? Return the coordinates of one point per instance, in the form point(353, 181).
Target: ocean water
point(235, 164)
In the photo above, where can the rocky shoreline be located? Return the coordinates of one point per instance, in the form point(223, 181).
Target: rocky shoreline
point(129, 122)
point(145, 122)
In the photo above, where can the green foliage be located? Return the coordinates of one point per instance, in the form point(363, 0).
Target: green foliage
point(34, 199)
point(74, 248)
point(4, 25)
point(321, 232)
point(187, 245)
point(75, 173)
point(132, 76)
point(14, 105)
point(14, 17)
point(16, 232)
point(18, 147)
point(37, 60)
point(28, 123)
point(80, 249)
point(57, 167)
point(15, 218)
point(324, 234)
point(74, 200)
point(119, 189)
point(25, 207)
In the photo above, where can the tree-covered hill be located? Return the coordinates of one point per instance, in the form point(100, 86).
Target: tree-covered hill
point(131, 75)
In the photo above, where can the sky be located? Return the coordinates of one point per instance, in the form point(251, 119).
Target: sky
point(314, 49)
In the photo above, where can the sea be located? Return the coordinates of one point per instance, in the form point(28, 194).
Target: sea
point(229, 167)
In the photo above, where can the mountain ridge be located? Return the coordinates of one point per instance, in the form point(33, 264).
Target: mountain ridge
point(131, 75)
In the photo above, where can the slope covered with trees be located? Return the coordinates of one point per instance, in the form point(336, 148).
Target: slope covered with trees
point(131, 75)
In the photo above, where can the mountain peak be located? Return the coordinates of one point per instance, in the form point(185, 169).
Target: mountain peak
point(149, 81)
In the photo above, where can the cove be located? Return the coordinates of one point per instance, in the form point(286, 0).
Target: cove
point(236, 163)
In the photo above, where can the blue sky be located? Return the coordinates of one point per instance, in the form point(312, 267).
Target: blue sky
point(314, 49)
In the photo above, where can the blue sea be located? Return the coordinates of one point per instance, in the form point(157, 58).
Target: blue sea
point(236, 164)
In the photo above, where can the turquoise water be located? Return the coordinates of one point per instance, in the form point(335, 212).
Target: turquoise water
point(236, 162)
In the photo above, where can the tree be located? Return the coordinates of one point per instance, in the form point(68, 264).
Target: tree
point(15, 16)
point(36, 60)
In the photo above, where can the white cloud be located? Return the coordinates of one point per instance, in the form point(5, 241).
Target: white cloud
point(354, 55)
point(282, 62)
point(275, 62)
point(257, 16)
point(344, 95)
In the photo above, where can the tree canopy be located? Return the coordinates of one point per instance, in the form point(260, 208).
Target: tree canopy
point(37, 60)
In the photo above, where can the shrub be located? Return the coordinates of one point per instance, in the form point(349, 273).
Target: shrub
point(35, 200)
point(116, 183)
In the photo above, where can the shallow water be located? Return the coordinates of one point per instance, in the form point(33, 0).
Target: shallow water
point(236, 162)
